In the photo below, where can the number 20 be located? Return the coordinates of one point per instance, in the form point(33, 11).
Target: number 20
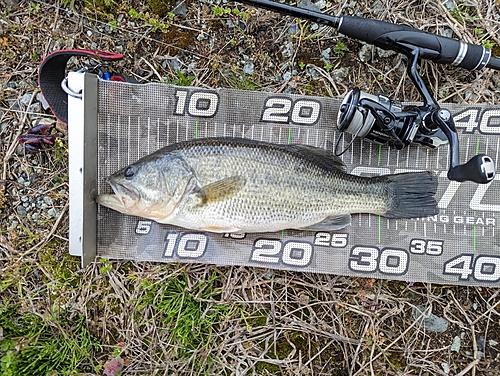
point(285, 110)
point(291, 253)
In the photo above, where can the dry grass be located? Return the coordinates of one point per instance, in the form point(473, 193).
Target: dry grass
point(56, 318)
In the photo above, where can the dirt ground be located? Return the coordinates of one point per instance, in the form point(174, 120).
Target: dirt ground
point(157, 319)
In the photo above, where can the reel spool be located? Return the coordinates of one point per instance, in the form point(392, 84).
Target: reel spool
point(378, 119)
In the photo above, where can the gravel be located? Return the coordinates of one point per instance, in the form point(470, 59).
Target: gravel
point(429, 321)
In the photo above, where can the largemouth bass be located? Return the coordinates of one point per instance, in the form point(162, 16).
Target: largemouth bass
point(235, 185)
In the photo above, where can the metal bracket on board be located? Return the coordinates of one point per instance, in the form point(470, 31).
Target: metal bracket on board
point(82, 144)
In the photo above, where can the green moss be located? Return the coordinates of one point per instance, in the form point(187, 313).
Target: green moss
point(161, 7)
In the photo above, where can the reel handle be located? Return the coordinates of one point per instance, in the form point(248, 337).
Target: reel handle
point(479, 169)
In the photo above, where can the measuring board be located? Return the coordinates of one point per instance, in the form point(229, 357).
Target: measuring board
point(458, 246)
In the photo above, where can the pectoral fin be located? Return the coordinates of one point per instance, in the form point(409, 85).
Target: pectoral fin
point(221, 189)
point(333, 223)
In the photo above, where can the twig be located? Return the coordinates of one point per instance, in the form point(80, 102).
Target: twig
point(52, 230)
point(15, 142)
point(468, 368)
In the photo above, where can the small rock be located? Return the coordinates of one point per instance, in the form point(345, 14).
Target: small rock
point(480, 344)
point(448, 33)
point(326, 53)
point(309, 5)
point(430, 322)
point(445, 367)
point(248, 67)
point(287, 76)
point(492, 342)
point(293, 28)
point(269, 274)
point(34, 109)
point(365, 53)
point(26, 99)
point(287, 50)
point(455, 346)
point(180, 8)
point(313, 73)
point(340, 74)
point(48, 201)
point(474, 306)
point(384, 53)
point(321, 4)
point(449, 4)
point(21, 211)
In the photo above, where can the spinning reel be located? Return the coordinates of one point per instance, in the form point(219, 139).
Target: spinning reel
point(385, 121)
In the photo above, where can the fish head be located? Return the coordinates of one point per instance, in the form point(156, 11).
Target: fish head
point(150, 188)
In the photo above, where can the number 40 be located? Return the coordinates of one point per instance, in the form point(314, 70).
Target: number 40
point(485, 268)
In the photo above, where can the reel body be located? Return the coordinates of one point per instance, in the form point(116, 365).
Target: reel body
point(385, 121)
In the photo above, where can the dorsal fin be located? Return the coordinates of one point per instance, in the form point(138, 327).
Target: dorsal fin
point(320, 154)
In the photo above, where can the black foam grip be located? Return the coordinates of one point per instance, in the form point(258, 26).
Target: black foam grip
point(400, 38)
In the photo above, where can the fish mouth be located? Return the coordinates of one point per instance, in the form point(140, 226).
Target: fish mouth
point(124, 195)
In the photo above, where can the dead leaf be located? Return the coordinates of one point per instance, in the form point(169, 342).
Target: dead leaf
point(114, 367)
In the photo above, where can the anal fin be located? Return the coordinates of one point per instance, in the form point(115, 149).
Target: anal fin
point(332, 223)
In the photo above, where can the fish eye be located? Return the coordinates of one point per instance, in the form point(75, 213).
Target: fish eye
point(129, 172)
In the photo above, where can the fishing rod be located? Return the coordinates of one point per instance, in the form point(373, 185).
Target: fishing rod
point(385, 121)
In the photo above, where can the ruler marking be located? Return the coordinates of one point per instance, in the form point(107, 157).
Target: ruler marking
point(128, 139)
point(177, 130)
point(498, 147)
point(149, 134)
point(467, 149)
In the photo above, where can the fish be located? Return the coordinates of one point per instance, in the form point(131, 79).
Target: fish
point(236, 185)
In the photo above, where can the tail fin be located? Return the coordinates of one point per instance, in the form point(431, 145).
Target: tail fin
point(411, 195)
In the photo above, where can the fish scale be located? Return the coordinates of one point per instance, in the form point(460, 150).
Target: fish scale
point(239, 185)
